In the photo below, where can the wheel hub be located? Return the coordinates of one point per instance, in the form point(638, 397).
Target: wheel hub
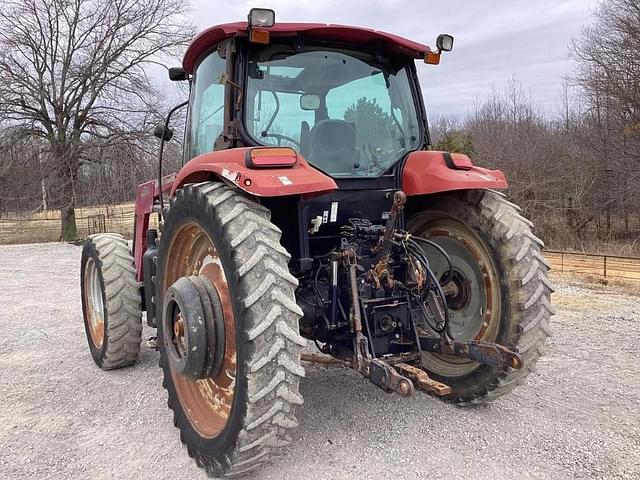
point(457, 291)
point(178, 327)
point(95, 305)
point(472, 294)
point(192, 312)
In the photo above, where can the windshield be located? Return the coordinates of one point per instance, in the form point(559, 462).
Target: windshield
point(345, 113)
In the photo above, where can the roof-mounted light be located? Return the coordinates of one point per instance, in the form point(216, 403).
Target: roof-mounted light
point(262, 17)
point(444, 43)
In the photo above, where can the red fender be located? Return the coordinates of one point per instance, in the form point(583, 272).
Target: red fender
point(424, 172)
point(231, 165)
point(430, 171)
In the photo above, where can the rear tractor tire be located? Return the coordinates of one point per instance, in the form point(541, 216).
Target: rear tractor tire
point(223, 275)
point(499, 293)
point(111, 301)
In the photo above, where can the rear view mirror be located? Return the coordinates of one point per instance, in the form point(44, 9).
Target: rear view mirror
point(310, 102)
point(177, 74)
point(162, 133)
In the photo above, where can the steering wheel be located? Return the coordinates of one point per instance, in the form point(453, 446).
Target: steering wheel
point(280, 138)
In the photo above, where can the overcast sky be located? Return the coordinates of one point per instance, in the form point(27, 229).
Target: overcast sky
point(494, 39)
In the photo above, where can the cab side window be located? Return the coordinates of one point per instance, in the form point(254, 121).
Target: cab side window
point(206, 117)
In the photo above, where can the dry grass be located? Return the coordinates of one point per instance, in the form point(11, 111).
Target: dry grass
point(45, 226)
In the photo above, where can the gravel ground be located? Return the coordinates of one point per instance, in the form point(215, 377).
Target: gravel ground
point(62, 417)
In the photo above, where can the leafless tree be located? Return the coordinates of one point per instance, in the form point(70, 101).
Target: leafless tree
point(607, 59)
point(73, 75)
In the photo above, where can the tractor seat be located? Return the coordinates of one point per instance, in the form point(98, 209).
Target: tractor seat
point(332, 146)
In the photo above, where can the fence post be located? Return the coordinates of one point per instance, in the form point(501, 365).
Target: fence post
point(605, 265)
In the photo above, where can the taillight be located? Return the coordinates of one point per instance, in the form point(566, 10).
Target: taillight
point(271, 157)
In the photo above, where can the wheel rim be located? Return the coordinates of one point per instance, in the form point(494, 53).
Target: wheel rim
point(94, 303)
point(206, 403)
point(473, 295)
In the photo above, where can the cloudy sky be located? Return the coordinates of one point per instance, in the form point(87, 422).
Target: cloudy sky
point(494, 39)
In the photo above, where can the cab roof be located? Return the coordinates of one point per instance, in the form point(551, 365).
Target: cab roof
point(356, 35)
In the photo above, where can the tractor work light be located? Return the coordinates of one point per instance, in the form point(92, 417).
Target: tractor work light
point(276, 157)
point(444, 42)
point(262, 17)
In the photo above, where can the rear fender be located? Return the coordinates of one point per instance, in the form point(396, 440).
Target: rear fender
point(230, 165)
point(430, 171)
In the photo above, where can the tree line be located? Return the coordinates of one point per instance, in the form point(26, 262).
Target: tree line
point(78, 106)
point(574, 171)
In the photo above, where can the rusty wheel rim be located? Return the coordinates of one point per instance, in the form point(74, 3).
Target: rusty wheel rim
point(93, 298)
point(478, 315)
point(206, 403)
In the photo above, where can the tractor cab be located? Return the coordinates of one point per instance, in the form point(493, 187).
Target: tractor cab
point(345, 98)
point(328, 110)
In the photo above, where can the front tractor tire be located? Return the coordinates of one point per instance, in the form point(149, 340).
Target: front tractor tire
point(111, 301)
point(220, 259)
point(499, 293)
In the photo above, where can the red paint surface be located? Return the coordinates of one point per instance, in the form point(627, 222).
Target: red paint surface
point(209, 37)
point(426, 172)
point(264, 182)
point(146, 193)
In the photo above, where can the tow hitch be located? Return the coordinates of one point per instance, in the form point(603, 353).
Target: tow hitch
point(487, 353)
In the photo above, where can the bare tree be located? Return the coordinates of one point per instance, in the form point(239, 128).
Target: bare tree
point(73, 74)
point(19, 173)
point(607, 58)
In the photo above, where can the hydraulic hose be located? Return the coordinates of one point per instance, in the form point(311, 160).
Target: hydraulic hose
point(442, 251)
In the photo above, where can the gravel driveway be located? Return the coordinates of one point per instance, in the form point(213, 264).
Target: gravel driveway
point(62, 417)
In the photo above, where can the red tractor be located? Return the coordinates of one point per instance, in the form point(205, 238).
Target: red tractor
point(310, 206)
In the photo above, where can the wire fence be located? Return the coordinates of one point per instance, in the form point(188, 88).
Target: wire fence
point(45, 227)
point(596, 265)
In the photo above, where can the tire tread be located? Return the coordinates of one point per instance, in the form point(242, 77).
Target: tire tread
point(270, 321)
point(123, 325)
